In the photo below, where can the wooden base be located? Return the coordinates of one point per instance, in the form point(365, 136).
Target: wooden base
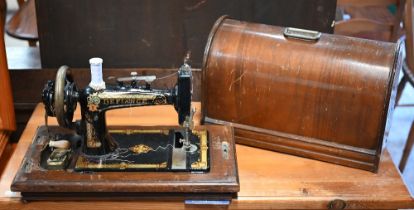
point(330, 152)
point(333, 153)
point(116, 196)
point(220, 182)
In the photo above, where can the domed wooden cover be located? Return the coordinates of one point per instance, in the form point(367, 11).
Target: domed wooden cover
point(321, 96)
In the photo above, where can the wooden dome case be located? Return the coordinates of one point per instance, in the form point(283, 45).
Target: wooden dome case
point(300, 92)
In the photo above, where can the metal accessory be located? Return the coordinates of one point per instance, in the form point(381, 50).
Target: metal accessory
point(65, 97)
point(188, 126)
point(134, 77)
point(183, 91)
point(58, 159)
point(306, 35)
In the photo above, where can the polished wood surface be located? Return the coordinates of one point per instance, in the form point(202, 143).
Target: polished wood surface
point(23, 24)
point(4, 134)
point(4, 140)
point(269, 180)
point(326, 99)
point(7, 116)
point(6, 103)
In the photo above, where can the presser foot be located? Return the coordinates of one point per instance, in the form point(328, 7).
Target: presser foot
point(191, 148)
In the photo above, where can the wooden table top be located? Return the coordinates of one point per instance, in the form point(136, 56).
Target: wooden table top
point(267, 179)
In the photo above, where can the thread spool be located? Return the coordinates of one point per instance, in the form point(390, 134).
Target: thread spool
point(97, 82)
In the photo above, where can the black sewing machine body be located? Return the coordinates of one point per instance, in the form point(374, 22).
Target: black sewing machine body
point(94, 104)
point(178, 149)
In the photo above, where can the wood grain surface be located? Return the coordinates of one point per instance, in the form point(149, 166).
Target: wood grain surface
point(23, 24)
point(7, 115)
point(8, 121)
point(4, 140)
point(329, 99)
point(269, 180)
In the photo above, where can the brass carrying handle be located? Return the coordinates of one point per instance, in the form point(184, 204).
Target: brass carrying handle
point(302, 34)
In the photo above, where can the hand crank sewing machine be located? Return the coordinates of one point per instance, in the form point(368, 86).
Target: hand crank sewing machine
point(89, 157)
point(137, 151)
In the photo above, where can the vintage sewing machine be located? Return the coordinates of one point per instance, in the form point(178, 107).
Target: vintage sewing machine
point(88, 158)
point(167, 149)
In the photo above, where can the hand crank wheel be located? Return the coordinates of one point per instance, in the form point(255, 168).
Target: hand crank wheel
point(65, 98)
